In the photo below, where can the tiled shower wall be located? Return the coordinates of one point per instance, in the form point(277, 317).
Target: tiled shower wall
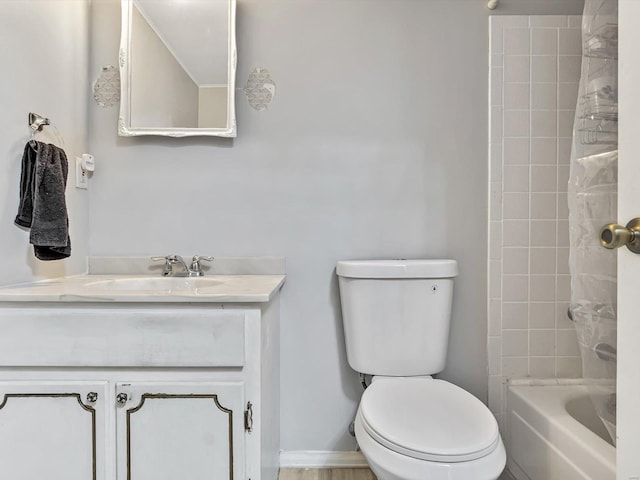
point(535, 68)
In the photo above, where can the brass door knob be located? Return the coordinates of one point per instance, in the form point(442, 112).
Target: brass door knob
point(613, 235)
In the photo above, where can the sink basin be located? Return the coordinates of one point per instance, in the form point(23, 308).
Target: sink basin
point(154, 284)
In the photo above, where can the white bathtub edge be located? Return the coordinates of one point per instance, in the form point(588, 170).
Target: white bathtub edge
point(539, 427)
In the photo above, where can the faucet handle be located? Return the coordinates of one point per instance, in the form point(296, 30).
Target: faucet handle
point(196, 268)
point(166, 271)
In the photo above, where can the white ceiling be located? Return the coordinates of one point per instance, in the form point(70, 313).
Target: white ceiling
point(195, 31)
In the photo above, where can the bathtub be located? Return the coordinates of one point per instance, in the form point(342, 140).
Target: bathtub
point(553, 433)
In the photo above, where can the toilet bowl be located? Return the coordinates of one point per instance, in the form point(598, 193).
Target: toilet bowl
point(425, 429)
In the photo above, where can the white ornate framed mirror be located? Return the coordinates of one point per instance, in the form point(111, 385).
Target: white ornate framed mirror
point(178, 68)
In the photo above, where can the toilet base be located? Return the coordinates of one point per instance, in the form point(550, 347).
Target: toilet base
point(389, 465)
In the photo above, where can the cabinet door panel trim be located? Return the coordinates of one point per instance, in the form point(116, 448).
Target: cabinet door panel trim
point(165, 396)
point(77, 396)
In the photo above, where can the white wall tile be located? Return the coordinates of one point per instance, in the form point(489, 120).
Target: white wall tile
point(515, 288)
point(569, 41)
point(515, 343)
point(544, 41)
point(543, 123)
point(567, 95)
point(542, 315)
point(495, 279)
point(515, 260)
point(495, 317)
point(496, 124)
point(511, 21)
point(544, 178)
point(515, 233)
point(515, 315)
point(565, 123)
point(543, 261)
point(542, 343)
point(515, 206)
point(535, 96)
point(564, 151)
point(575, 21)
point(543, 206)
point(563, 178)
point(542, 288)
point(563, 288)
point(544, 96)
point(567, 343)
point(542, 367)
point(562, 260)
point(516, 151)
point(495, 397)
point(569, 367)
point(496, 86)
point(494, 351)
point(516, 178)
point(563, 230)
point(569, 68)
point(496, 162)
point(558, 21)
point(514, 367)
point(543, 233)
point(544, 151)
point(544, 69)
point(563, 207)
point(516, 68)
point(495, 198)
point(516, 41)
point(495, 242)
point(516, 96)
point(496, 34)
point(516, 123)
point(562, 319)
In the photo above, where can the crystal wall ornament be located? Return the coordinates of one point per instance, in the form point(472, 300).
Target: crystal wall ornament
point(106, 89)
point(260, 89)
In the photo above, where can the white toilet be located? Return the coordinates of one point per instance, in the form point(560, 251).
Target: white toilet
point(396, 316)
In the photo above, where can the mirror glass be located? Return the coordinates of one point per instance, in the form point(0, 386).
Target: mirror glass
point(177, 63)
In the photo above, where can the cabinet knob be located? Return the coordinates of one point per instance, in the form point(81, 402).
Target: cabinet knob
point(122, 398)
point(92, 397)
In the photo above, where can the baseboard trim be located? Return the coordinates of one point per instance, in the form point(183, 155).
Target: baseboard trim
point(322, 459)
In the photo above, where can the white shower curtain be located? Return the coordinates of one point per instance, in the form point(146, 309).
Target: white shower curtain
point(593, 203)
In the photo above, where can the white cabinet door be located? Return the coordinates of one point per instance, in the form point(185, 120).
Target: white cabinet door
point(52, 430)
point(185, 431)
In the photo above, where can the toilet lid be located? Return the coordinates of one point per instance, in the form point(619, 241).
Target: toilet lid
point(428, 419)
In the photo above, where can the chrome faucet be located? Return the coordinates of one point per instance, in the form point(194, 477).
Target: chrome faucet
point(175, 266)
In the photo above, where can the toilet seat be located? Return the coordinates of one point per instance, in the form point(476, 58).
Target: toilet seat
point(428, 419)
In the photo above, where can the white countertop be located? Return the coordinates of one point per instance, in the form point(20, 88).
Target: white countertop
point(94, 288)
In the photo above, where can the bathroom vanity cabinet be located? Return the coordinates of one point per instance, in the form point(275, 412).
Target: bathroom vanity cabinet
point(139, 391)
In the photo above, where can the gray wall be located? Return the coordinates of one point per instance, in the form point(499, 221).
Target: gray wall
point(375, 147)
point(44, 64)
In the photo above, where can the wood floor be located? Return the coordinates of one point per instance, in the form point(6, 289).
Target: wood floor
point(338, 474)
point(326, 474)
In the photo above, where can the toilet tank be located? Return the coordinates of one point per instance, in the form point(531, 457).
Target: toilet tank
point(396, 314)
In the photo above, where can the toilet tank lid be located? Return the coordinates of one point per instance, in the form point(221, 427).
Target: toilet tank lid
point(435, 268)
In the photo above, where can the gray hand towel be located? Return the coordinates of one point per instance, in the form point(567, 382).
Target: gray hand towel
point(43, 205)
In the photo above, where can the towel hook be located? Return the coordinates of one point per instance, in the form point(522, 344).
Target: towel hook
point(36, 122)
